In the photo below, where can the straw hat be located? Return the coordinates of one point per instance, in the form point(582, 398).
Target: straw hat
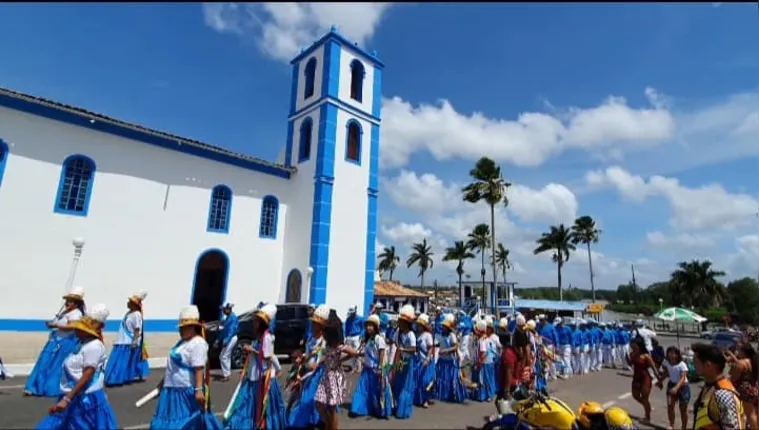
point(267, 313)
point(489, 321)
point(189, 315)
point(93, 321)
point(480, 326)
point(321, 315)
point(407, 313)
point(520, 320)
point(503, 323)
point(137, 298)
point(373, 319)
point(424, 320)
point(76, 293)
point(449, 322)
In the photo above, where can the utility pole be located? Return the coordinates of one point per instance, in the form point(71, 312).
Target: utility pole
point(434, 285)
point(634, 285)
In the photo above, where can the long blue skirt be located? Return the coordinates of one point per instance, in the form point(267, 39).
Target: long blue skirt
point(448, 385)
point(404, 383)
point(425, 379)
point(486, 388)
point(45, 379)
point(303, 412)
point(366, 396)
point(85, 412)
point(245, 409)
point(177, 409)
point(125, 365)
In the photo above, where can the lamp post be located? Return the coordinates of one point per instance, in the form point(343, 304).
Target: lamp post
point(661, 303)
point(309, 274)
point(78, 243)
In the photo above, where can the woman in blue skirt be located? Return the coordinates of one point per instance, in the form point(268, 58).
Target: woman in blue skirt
point(372, 395)
point(259, 403)
point(83, 405)
point(46, 376)
point(303, 412)
point(482, 370)
point(495, 355)
point(425, 349)
point(449, 385)
point(404, 380)
point(128, 360)
point(182, 403)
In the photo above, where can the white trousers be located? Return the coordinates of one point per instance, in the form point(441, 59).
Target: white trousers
point(225, 357)
point(465, 350)
point(354, 342)
point(599, 358)
point(623, 351)
point(592, 357)
point(609, 359)
point(585, 359)
point(577, 360)
point(566, 360)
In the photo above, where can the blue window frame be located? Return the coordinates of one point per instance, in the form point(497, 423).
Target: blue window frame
point(75, 185)
point(3, 158)
point(353, 134)
point(269, 212)
point(310, 75)
point(220, 209)
point(304, 146)
point(357, 80)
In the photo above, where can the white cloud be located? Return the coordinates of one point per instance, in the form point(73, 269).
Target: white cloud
point(406, 233)
point(281, 30)
point(704, 208)
point(679, 241)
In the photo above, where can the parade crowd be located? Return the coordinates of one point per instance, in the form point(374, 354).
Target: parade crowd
point(411, 362)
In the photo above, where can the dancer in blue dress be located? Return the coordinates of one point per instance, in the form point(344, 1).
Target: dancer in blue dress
point(425, 349)
point(449, 385)
point(482, 370)
point(128, 361)
point(183, 401)
point(83, 404)
point(46, 375)
point(259, 402)
point(372, 395)
point(404, 380)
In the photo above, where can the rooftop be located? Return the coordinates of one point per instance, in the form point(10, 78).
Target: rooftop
point(395, 289)
point(550, 305)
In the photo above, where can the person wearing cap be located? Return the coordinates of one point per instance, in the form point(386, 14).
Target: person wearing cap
point(449, 386)
point(354, 328)
point(83, 403)
point(182, 402)
point(45, 376)
point(624, 337)
point(607, 345)
point(227, 339)
point(483, 372)
point(259, 402)
point(303, 413)
point(596, 358)
point(466, 328)
point(372, 395)
point(308, 335)
point(128, 361)
point(404, 379)
point(425, 350)
point(550, 338)
point(564, 336)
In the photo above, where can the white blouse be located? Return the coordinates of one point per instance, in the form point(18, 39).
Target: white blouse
point(132, 321)
point(182, 361)
point(90, 354)
point(66, 319)
point(266, 352)
point(372, 351)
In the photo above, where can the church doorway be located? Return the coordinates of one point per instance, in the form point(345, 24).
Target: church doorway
point(294, 286)
point(210, 287)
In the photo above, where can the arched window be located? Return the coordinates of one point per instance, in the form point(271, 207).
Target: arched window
point(310, 75)
point(357, 80)
point(304, 147)
point(75, 185)
point(3, 158)
point(353, 142)
point(220, 209)
point(269, 211)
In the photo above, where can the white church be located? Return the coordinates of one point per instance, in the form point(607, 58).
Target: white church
point(117, 208)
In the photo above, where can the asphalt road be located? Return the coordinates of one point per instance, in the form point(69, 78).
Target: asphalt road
point(607, 387)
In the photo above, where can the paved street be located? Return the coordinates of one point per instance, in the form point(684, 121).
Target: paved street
point(607, 387)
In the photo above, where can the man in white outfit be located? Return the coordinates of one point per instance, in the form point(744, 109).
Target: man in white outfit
point(646, 333)
point(354, 328)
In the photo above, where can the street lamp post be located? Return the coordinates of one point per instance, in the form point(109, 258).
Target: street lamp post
point(661, 303)
point(78, 243)
point(309, 274)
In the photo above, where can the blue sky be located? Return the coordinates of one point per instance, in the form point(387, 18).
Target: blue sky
point(642, 116)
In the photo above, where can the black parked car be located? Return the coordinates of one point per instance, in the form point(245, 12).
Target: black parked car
point(290, 327)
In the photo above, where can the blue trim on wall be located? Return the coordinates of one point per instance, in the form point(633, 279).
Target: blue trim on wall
point(195, 276)
point(81, 119)
point(333, 35)
point(301, 136)
point(227, 215)
point(62, 181)
point(331, 70)
point(377, 93)
point(4, 152)
point(353, 110)
point(372, 193)
point(111, 326)
point(294, 87)
point(324, 177)
point(289, 144)
point(261, 234)
point(360, 141)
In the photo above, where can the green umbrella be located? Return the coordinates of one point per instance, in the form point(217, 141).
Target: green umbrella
point(679, 315)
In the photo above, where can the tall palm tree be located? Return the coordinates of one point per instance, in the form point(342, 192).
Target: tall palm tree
point(558, 240)
point(479, 241)
point(584, 232)
point(489, 186)
point(696, 281)
point(502, 259)
point(389, 261)
point(460, 253)
point(421, 255)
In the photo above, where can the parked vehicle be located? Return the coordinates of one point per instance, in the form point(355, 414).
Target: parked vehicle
point(727, 339)
point(710, 334)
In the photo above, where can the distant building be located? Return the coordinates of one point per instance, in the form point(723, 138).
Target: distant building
point(393, 295)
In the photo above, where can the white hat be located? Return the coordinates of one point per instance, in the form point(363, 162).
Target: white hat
point(449, 321)
point(503, 323)
point(520, 320)
point(378, 306)
point(557, 320)
point(407, 313)
point(480, 325)
point(602, 324)
point(374, 319)
point(312, 306)
point(93, 321)
point(489, 321)
point(321, 315)
point(229, 305)
point(76, 293)
point(639, 322)
point(581, 322)
point(138, 297)
point(542, 316)
point(352, 309)
point(423, 319)
point(267, 313)
point(189, 315)
point(530, 325)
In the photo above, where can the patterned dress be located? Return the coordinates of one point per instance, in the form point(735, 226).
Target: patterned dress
point(331, 389)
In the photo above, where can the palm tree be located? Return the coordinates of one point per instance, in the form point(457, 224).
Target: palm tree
point(558, 240)
point(487, 185)
point(479, 241)
point(502, 259)
point(697, 282)
point(584, 232)
point(389, 261)
point(421, 255)
point(459, 252)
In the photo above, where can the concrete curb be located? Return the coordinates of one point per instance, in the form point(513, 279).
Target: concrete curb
point(26, 369)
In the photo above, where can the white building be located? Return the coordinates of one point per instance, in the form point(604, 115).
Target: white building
point(187, 221)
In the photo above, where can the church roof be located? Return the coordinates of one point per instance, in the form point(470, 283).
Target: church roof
point(99, 122)
point(395, 289)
